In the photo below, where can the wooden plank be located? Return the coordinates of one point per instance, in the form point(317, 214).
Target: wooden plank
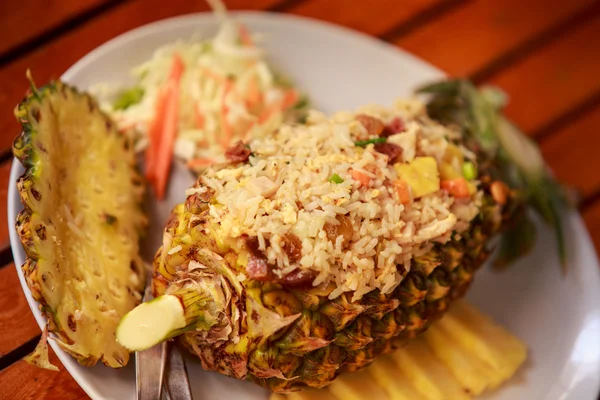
point(572, 153)
point(591, 216)
point(472, 36)
point(66, 50)
point(17, 325)
point(23, 20)
point(374, 17)
point(22, 381)
point(4, 184)
point(555, 79)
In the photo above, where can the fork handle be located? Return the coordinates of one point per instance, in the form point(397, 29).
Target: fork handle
point(150, 367)
point(177, 381)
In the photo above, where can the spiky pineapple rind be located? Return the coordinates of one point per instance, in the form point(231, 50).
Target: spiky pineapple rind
point(25, 148)
point(330, 336)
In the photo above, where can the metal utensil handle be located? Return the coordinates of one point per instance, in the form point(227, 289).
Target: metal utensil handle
point(150, 364)
point(177, 381)
point(149, 371)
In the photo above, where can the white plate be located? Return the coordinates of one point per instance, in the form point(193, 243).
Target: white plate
point(559, 317)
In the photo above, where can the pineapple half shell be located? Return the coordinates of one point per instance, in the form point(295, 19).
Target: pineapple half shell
point(81, 221)
point(460, 357)
point(288, 338)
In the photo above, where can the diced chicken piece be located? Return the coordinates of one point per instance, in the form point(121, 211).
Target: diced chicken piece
point(262, 186)
point(407, 142)
point(435, 229)
point(238, 153)
point(374, 126)
point(391, 150)
point(184, 148)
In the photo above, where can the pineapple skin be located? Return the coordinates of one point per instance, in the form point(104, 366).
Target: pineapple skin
point(420, 371)
point(326, 337)
point(37, 223)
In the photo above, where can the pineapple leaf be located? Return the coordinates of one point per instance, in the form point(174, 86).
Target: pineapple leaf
point(516, 242)
point(479, 113)
point(34, 88)
point(39, 357)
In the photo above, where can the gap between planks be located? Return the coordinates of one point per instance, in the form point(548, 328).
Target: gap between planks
point(44, 37)
point(17, 354)
point(70, 24)
point(537, 42)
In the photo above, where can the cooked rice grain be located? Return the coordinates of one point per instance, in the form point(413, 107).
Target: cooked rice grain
point(284, 188)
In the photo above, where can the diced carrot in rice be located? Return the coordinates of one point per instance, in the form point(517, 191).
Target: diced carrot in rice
point(458, 187)
point(403, 191)
point(361, 177)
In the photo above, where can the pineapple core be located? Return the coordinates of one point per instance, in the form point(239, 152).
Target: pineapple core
point(151, 323)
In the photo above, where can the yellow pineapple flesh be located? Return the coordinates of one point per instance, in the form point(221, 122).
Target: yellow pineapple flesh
point(81, 222)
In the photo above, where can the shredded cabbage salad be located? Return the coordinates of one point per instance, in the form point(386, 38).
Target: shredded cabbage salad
point(196, 98)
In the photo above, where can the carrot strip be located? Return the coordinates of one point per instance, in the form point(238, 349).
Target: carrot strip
point(165, 151)
point(199, 117)
point(177, 68)
point(246, 136)
point(214, 75)
point(154, 132)
point(268, 113)
point(245, 36)
point(226, 130)
point(289, 99)
point(200, 162)
point(166, 140)
point(253, 95)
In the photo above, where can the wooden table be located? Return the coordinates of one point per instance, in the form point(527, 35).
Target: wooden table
point(544, 53)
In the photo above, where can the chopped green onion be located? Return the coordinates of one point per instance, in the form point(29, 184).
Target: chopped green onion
point(469, 171)
point(302, 103)
point(282, 81)
point(335, 178)
point(206, 47)
point(364, 143)
point(129, 97)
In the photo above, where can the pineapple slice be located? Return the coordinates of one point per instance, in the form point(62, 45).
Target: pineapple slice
point(312, 394)
point(81, 222)
point(454, 155)
point(397, 385)
point(421, 174)
point(357, 386)
point(447, 172)
point(472, 373)
point(511, 350)
point(476, 345)
point(427, 373)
